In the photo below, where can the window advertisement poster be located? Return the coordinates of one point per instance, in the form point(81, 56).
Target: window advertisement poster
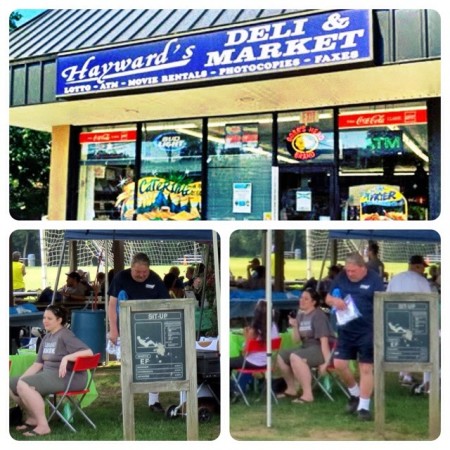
point(376, 202)
point(242, 198)
point(116, 145)
point(303, 201)
point(383, 203)
point(241, 137)
point(165, 197)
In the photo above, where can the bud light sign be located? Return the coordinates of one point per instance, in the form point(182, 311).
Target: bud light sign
point(171, 142)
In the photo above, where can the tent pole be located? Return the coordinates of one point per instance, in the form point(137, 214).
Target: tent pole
point(43, 242)
point(106, 299)
point(217, 278)
point(322, 267)
point(58, 274)
point(308, 254)
point(269, 325)
point(203, 293)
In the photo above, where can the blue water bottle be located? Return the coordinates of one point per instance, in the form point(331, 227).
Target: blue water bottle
point(121, 297)
point(336, 293)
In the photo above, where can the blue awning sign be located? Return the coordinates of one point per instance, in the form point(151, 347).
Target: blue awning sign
point(288, 45)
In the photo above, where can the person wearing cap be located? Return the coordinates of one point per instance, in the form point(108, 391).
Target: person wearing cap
point(73, 290)
point(256, 274)
point(411, 280)
point(18, 272)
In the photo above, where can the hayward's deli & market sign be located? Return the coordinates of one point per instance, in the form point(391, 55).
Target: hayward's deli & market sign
point(288, 45)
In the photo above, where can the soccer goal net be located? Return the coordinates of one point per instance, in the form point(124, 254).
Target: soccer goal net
point(389, 250)
point(90, 255)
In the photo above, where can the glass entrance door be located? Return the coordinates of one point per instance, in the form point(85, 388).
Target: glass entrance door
point(306, 194)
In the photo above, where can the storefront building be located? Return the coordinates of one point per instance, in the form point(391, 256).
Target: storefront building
point(234, 114)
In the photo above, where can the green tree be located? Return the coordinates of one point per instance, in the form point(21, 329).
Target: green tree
point(29, 166)
point(14, 17)
point(246, 243)
point(26, 241)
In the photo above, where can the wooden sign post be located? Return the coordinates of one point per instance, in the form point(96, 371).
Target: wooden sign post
point(406, 339)
point(157, 339)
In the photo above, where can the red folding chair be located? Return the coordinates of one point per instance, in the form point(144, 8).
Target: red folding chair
point(255, 346)
point(55, 401)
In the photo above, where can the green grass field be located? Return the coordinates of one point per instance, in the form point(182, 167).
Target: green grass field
point(324, 420)
point(296, 269)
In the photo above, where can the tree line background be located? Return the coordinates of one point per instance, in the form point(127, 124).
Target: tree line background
point(250, 242)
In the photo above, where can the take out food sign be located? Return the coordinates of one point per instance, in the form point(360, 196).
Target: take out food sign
point(383, 203)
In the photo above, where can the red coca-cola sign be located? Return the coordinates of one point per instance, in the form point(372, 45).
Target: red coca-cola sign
point(383, 118)
point(107, 136)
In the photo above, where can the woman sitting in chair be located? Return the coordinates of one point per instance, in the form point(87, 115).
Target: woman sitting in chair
point(312, 328)
point(51, 371)
point(257, 330)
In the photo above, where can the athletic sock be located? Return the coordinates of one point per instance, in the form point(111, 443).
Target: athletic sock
point(153, 398)
point(354, 391)
point(364, 403)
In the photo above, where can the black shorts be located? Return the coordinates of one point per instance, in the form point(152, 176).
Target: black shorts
point(357, 347)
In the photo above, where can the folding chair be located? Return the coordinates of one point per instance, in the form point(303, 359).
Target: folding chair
point(325, 382)
point(255, 346)
point(82, 363)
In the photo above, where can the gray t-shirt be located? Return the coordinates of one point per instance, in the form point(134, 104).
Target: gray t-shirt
point(57, 345)
point(313, 326)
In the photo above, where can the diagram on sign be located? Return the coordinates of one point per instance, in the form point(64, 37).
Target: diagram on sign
point(406, 332)
point(147, 343)
point(158, 346)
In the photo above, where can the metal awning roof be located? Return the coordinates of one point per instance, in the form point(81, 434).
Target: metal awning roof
point(61, 30)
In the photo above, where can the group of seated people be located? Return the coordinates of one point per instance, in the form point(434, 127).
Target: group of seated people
point(194, 281)
point(312, 332)
point(77, 289)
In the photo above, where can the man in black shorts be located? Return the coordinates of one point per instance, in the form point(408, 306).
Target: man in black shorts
point(136, 283)
point(355, 338)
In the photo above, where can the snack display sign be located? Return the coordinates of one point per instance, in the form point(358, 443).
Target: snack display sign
point(161, 198)
point(383, 203)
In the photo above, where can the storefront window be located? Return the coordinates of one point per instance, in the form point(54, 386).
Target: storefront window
point(107, 164)
point(305, 159)
point(305, 137)
point(384, 162)
point(239, 168)
point(170, 185)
